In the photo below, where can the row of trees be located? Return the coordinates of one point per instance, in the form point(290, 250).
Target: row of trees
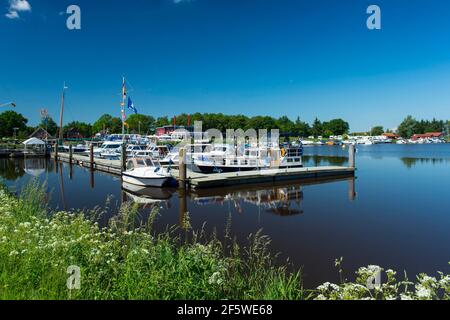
point(410, 126)
point(147, 124)
point(12, 123)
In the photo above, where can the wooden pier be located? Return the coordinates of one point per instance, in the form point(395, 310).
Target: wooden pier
point(200, 181)
point(196, 180)
point(104, 165)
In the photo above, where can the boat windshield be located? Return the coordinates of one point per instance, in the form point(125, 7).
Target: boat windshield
point(111, 146)
point(141, 162)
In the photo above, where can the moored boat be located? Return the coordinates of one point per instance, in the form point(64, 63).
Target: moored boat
point(148, 173)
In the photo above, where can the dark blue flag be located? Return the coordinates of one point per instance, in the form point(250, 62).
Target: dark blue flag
point(131, 106)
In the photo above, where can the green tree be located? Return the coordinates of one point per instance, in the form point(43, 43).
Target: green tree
point(107, 123)
point(162, 121)
point(49, 125)
point(317, 128)
point(408, 127)
point(335, 127)
point(85, 129)
point(140, 123)
point(302, 129)
point(377, 131)
point(10, 120)
point(286, 125)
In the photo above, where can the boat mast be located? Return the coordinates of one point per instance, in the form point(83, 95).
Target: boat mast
point(124, 94)
point(62, 112)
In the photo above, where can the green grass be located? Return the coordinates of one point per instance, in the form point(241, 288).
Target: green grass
point(126, 262)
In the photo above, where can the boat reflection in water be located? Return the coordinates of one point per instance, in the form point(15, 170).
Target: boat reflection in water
point(147, 196)
point(284, 201)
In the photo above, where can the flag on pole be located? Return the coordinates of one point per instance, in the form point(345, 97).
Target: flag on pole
point(131, 106)
point(124, 92)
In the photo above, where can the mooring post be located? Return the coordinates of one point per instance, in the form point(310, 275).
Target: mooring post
point(182, 207)
point(56, 150)
point(123, 157)
point(351, 156)
point(70, 154)
point(91, 179)
point(91, 156)
point(182, 167)
point(351, 189)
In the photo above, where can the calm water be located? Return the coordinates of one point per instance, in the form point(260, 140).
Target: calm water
point(399, 217)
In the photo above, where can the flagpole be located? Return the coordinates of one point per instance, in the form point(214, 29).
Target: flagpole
point(123, 108)
point(62, 113)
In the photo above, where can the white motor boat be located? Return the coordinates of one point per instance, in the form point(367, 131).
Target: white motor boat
point(146, 172)
point(193, 151)
point(108, 148)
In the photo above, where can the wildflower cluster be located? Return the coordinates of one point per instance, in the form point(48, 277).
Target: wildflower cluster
point(425, 288)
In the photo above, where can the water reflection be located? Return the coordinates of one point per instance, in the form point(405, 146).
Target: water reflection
point(316, 160)
point(283, 201)
point(13, 169)
point(409, 162)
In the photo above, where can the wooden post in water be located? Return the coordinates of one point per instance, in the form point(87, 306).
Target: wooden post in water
point(91, 179)
point(56, 150)
point(91, 157)
point(70, 154)
point(182, 167)
point(123, 157)
point(183, 208)
point(351, 156)
point(351, 189)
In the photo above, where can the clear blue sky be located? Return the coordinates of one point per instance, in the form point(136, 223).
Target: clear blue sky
point(257, 57)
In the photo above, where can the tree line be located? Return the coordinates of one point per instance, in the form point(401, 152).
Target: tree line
point(12, 122)
point(144, 124)
point(410, 126)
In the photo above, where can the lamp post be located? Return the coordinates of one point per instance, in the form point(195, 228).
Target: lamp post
point(15, 134)
point(12, 104)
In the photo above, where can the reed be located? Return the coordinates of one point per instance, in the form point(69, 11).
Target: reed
point(129, 261)
point(124, 260)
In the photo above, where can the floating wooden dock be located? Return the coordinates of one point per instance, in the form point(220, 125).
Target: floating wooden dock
point(104, 165)
point(196, 180)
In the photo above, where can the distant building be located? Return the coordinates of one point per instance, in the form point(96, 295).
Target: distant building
point(42, 134)
point(73, 133)
point(168, 130)
point(389, 135)
point(428, 135)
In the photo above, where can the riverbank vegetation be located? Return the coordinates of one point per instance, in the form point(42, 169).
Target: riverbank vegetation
point(128, 261)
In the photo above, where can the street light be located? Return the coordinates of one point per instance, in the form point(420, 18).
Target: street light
point(12, 104)
point(15, 134)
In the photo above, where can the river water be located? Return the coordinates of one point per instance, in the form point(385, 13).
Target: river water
point(396, 213)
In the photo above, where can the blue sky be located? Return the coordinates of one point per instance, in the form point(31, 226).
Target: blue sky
point(257, 57)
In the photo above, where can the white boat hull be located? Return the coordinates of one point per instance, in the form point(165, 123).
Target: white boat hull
point(145, 182)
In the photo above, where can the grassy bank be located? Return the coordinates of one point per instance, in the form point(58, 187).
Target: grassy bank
point(123, 261)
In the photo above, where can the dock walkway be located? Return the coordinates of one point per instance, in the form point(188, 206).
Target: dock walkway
point(199, 180)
